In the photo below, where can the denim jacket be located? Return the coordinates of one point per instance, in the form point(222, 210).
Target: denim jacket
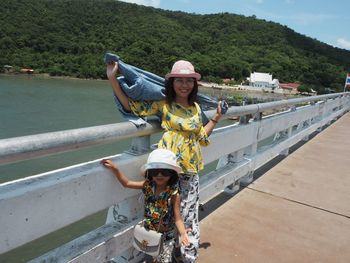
point(142, 85)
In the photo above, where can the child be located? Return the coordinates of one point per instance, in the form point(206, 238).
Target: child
point(160, 185)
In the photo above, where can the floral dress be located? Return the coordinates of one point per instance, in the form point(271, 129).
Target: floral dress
point(159, 213)
point(159, 216)
point(184, 131)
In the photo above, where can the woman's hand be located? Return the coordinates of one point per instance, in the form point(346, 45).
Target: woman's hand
point(218, 113)
point(184, 240)
point(108, 164)
point(112, 69)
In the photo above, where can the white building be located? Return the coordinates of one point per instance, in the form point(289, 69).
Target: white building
point(262, 80)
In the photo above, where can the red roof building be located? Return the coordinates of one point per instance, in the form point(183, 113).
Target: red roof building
point(290, 86)
point(27, 70)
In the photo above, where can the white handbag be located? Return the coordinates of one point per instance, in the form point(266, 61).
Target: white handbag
point(147, 241)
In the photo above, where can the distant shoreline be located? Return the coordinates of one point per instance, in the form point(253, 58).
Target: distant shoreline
point(46, 76)
point(223, 92)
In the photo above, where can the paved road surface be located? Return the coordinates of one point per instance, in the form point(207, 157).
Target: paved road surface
point(299, 211)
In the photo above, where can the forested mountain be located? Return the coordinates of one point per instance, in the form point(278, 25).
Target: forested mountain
point(70, 37)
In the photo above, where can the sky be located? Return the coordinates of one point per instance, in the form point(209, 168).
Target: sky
point(325, 20)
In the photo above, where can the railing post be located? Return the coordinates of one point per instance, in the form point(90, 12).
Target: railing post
point(307, 123)
point(329, 112)
point(139, 145)
point(252, 150)
point(321, 114)
point(289, 132)
point(231, 158)
point(130, 209)
point(248, 178)
point(125, 212)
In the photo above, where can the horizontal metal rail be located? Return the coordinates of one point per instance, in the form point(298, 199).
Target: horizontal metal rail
point(32, 207)
point(110, 240)
point(27, 147)
point(31, 146)
point(268, 106)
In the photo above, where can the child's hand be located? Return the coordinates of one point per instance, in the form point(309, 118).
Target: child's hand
point(112, 69)
point(184, 240)
point(108, 164)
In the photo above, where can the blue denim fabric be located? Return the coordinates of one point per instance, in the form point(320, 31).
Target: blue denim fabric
point(142, 85)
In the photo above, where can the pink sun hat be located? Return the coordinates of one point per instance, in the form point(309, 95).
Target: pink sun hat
point(183, 69)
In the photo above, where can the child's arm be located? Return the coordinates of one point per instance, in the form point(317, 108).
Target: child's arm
point(178, 221)
point(121, 176)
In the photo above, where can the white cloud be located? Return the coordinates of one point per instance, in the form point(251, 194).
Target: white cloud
point(343, 43)
point(154, 3)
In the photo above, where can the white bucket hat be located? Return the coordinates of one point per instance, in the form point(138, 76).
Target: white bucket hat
point(162, 159)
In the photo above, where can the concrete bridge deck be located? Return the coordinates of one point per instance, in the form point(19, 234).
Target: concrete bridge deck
point(299, 211)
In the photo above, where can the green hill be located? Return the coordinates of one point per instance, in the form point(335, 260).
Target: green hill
point(70, 37)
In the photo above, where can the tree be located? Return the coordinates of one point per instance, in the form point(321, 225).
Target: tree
point(71, 37)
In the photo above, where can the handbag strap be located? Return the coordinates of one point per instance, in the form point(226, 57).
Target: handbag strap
point(162, 215)
point(161, 218)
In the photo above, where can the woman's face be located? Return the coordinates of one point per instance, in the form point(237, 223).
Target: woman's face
point(183, 87)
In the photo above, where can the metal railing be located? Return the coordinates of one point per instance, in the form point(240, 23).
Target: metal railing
point(26, 205)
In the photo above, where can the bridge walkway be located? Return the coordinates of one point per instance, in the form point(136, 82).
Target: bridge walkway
point(299, 211)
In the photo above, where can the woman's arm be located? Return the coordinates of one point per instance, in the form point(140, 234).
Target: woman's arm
point(121, 176)
point(184, 240)
point(209, 127)
point(112, 69)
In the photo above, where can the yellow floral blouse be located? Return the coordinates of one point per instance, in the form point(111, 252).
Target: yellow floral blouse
point(184, 131)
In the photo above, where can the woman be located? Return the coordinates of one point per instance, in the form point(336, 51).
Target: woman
point(184, 134)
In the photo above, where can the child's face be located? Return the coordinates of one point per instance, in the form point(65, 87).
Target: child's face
point(161, 180)
point(160, 176)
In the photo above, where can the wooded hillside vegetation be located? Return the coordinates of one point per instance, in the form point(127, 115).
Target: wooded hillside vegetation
point(70, 38)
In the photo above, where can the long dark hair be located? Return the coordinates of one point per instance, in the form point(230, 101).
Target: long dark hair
point(171, 95)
